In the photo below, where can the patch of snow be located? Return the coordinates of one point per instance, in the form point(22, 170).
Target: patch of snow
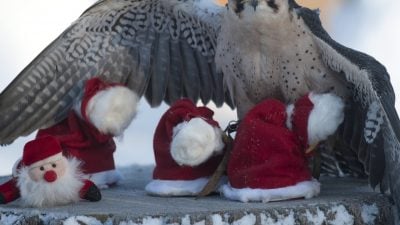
point(147, 221)
point(152, 221)
point(280, 220)
point(109, 221)
point(342, 216)
point(316, 219)
point(9, 219)
point(48, 217)
point(249, 219)
point(185, 220)
point(203, 222)
point(217, 220)
point(78, 220)
point(369, 213)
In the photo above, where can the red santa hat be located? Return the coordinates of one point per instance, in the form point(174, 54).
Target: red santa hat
point(267, 162)
point(39, 149)
point(197, 136)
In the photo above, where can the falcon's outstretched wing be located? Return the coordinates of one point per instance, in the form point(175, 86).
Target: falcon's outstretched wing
point(372, 126)
point(163, 49)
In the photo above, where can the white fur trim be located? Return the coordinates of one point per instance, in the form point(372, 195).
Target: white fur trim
point(112, 110)
point(289, 114)
point(41, 194)
point(305, 189)
point(105, 179)
point(325, 117)
point(176, 187)
point(195, 141)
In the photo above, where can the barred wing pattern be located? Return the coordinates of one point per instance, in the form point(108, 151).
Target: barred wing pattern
point(163, 49)
point(371, 128)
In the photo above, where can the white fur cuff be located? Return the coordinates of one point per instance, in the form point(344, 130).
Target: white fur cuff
point(195, 141)
point(112, 110)
point(305, 189)
point(326, 116)
point(176, 187)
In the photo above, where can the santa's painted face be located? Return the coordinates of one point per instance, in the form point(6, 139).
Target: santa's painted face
point(49, 169)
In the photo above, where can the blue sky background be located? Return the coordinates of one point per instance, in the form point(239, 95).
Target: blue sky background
point(26, 27)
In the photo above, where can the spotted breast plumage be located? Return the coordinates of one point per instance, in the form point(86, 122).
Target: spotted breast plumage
point(240, 54)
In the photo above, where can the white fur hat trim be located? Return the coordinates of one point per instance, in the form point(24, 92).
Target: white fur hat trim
point(304, 189)
point(176, 187)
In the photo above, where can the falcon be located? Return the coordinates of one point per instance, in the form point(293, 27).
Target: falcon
point(238, 54)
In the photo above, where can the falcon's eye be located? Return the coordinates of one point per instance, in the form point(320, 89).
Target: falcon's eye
point(54, 165)
point(273, 5)
point(41, 168)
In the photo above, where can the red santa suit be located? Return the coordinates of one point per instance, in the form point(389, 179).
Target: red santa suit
point(187, 146)
point(268, 160)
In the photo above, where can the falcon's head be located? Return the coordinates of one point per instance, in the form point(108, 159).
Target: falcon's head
point(268, 7)
point(262, 15)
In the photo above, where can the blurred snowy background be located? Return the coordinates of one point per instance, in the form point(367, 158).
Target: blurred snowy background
point(27, 27)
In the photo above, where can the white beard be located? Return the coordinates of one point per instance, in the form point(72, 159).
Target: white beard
point(42, 194)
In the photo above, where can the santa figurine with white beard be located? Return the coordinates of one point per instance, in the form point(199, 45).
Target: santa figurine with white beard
point(46, 177)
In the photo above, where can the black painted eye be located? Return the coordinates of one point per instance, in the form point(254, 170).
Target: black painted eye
point(41, 168)
point(54, 165)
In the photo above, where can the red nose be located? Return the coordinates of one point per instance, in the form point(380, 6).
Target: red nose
point(50, 176)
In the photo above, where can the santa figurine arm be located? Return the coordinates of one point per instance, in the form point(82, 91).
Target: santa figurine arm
point(109, 107)
point(89, 191)
point(314, 117)
point(195, 141)
point(9, 191)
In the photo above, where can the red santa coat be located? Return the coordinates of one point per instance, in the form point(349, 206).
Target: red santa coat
point(82, 140)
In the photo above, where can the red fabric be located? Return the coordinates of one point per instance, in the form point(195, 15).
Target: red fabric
point(166, 167)
point(9, 190)
point(82, 140)
point(92, 87)
point(39, 149)
point(265, 153)
point(301, 113)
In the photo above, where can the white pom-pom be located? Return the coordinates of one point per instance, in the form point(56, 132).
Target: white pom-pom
point(112, 110)
point(195, 141)
point(326, 116)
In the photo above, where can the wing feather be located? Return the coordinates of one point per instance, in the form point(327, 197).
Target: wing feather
point(174, 89)
point(190, 73)
point(376, 123)
point(161, 48)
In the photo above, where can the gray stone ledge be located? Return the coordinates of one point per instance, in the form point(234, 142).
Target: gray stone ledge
point(342, 201)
